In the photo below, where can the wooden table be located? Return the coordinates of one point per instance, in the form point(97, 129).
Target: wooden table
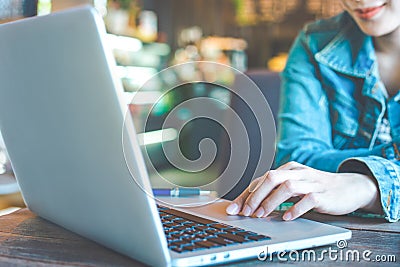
point(28, 240)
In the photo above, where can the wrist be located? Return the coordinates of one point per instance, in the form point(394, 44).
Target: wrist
point(372, 203)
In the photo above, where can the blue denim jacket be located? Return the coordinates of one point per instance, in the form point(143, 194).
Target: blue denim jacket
point(332, 105)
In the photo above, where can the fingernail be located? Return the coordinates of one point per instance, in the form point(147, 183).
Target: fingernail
point(246, 210)
point(232, 209)
point(260, 212)
point(287, 216)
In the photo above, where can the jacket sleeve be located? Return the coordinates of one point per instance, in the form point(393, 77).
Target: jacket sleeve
point(305, 130)
point(387, 175)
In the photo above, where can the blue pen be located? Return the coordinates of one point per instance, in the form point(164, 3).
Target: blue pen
point(180, 192)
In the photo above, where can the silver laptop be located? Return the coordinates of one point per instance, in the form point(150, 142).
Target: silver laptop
point(62, 118)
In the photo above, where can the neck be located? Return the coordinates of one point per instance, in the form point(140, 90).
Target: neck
point(389, 43)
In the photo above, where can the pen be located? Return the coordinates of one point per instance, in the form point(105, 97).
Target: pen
point(180, 192)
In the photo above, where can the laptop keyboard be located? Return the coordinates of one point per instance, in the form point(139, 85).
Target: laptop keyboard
point(186, 232)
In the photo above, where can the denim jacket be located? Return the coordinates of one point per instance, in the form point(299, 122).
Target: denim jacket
point(332, 105)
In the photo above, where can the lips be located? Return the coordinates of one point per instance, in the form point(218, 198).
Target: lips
point(369, 12)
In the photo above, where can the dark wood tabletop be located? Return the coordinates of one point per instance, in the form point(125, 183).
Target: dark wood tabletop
point(28, 240)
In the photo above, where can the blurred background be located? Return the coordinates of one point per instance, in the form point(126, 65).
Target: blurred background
point(147, 36)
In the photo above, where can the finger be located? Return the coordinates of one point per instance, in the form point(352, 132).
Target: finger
point(292, 165)
point(237, 204)
point(272, 180)
point(307, 203)
point(255, 184)
point(288, 189)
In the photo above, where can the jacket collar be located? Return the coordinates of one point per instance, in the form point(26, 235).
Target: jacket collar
point(351, 52)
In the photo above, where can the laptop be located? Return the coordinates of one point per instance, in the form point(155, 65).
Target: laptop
point(62, 117)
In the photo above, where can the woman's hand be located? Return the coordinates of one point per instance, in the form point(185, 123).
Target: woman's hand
point(331, 193)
